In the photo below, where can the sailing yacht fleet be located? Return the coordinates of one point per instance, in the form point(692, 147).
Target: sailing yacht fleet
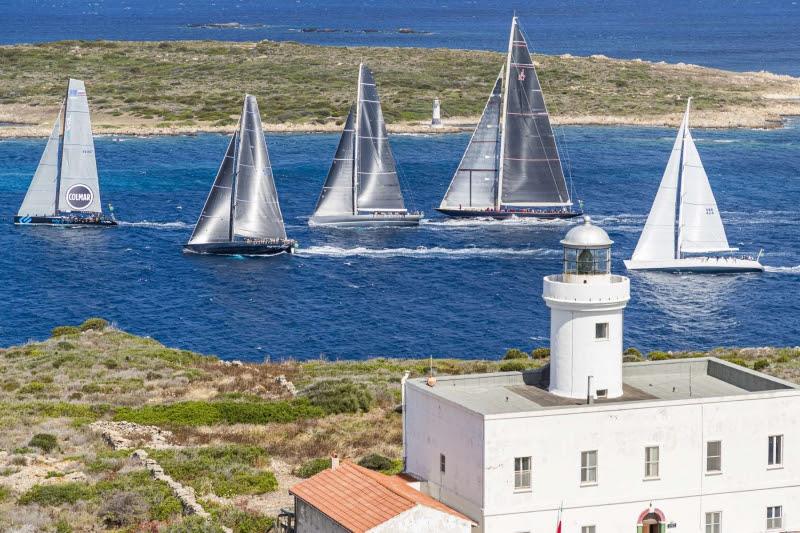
point(510, 168)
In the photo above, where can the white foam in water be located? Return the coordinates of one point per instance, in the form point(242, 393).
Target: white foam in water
point(422, 251)
point(487, 221)
point(156, 225)
point(783, 269)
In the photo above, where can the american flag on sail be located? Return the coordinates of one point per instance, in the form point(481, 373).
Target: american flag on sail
point(77, 92)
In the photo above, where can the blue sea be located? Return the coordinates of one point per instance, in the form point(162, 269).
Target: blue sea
point(447, 288)
point(731, 34)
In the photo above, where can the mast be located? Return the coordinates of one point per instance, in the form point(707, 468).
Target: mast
point(680, 181)
point(503, 116)
point(355, 140)
point(63, 115)
point(236, 157)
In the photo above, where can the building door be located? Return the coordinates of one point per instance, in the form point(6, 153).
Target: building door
point(651, 521)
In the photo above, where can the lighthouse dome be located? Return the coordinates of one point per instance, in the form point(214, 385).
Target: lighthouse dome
point(587, 235)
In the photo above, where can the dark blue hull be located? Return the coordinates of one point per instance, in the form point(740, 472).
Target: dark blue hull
point(241, 248)
point(63, 220)
point(505, 214)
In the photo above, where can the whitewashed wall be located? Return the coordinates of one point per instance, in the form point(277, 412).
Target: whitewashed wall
point(424, 519)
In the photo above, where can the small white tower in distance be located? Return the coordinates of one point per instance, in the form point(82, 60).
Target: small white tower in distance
point(436, 121)
point(586, 306)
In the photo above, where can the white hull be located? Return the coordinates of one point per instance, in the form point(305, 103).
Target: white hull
point(373, 220)
point(698, 264)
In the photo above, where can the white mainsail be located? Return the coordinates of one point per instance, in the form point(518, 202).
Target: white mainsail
point(474, 182)
point(40, 200)
point(684, 186)
point(337, 197)
point(214, 222)
point(79, 189)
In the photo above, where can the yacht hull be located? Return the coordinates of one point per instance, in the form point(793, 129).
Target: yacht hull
point(708, 265)
point(503, 215)
point(63, 221)
point(369, 221)
point(240, 248)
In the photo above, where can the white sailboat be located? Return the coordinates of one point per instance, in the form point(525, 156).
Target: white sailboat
point(511, 167)
point(65, 189)
point(684, 224)
point(242, 215)
point(362, 187)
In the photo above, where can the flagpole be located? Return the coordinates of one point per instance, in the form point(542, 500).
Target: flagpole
point(560, 511)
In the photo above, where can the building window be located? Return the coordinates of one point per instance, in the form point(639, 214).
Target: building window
point(588, 529)
point(442, 463)
point(775, 517)
point(589, 467)
point(775, 455)
point(601, 331)
point(713, 522)
point(522, 473)
point(651, 456)
point(714, 456)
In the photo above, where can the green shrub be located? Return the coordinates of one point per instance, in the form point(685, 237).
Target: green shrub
point(632, 351)
point(5, 493)
point(196, 413)
point(737, 361)
point(97, 324)
point(312, 467)
point(10, 386)
point(515, 365)
point(52, 495)
point(540, 353)
point(160, 502)
point(193, 524)
point(658, 356)
point(34, 387)
point(240, 521)
point(65, 345)
point(122, 509)
point(515, 353)
point(783, 359)
point(376, 462)
point(62, 526)
point(761, 364)
point(62, 331)
point(340, 396)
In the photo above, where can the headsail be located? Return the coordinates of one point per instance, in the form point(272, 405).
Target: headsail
point(40, 200)
point(78, 184)
point(701, 229)
point(337, 192)
point(257, 213)
point(657, 241)
point(214, 222)
point(474, 183)
point(530, 167)
point(377, 181)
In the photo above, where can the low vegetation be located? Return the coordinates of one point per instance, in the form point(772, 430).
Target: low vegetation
point(239, 436)
point(199, 84)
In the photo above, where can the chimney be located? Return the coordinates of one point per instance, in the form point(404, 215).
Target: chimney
point(334, 461)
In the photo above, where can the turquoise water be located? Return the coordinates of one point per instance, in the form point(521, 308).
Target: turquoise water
point(455, 288)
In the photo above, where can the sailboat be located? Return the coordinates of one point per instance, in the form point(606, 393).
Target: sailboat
point(242, 215)
point(65, 190)
point(511, 167)
point(362, 187)
point(675, 242)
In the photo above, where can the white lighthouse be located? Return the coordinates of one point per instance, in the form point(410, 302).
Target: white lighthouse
point(436, 118)
point(586, 306)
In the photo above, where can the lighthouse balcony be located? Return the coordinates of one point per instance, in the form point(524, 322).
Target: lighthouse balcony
point(569, 288)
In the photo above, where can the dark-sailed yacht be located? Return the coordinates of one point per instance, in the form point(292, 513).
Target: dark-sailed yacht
point(65, 190)
point(242, 215)
point(362, 187)
point(511, 167)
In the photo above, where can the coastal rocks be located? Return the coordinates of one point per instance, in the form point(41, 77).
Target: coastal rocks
point(286, 384)
point(224, 26)
point(127, 435)
point(34, 469)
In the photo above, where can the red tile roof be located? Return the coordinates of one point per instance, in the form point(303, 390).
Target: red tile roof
point(359, 499)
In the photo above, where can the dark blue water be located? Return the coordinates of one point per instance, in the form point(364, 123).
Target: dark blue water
point(731, 34)
point(448, 288)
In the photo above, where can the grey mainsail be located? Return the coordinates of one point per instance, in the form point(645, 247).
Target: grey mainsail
point(214, 222)
point(337, 192)
point(40, 200)
point(474, 182)
point(530, 168)
point(256, 211)
point(78, 185)
point(378, 188)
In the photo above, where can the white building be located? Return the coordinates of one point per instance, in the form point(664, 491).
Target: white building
point(681, 446)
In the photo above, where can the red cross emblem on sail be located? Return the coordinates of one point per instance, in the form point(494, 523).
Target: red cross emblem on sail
point(521, 75)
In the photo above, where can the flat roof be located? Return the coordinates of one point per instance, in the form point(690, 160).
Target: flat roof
point(670, 380)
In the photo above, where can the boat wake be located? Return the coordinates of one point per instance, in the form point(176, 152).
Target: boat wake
point(422, 251)
point(487, 221)
point(783, 269)
point(176, 225)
